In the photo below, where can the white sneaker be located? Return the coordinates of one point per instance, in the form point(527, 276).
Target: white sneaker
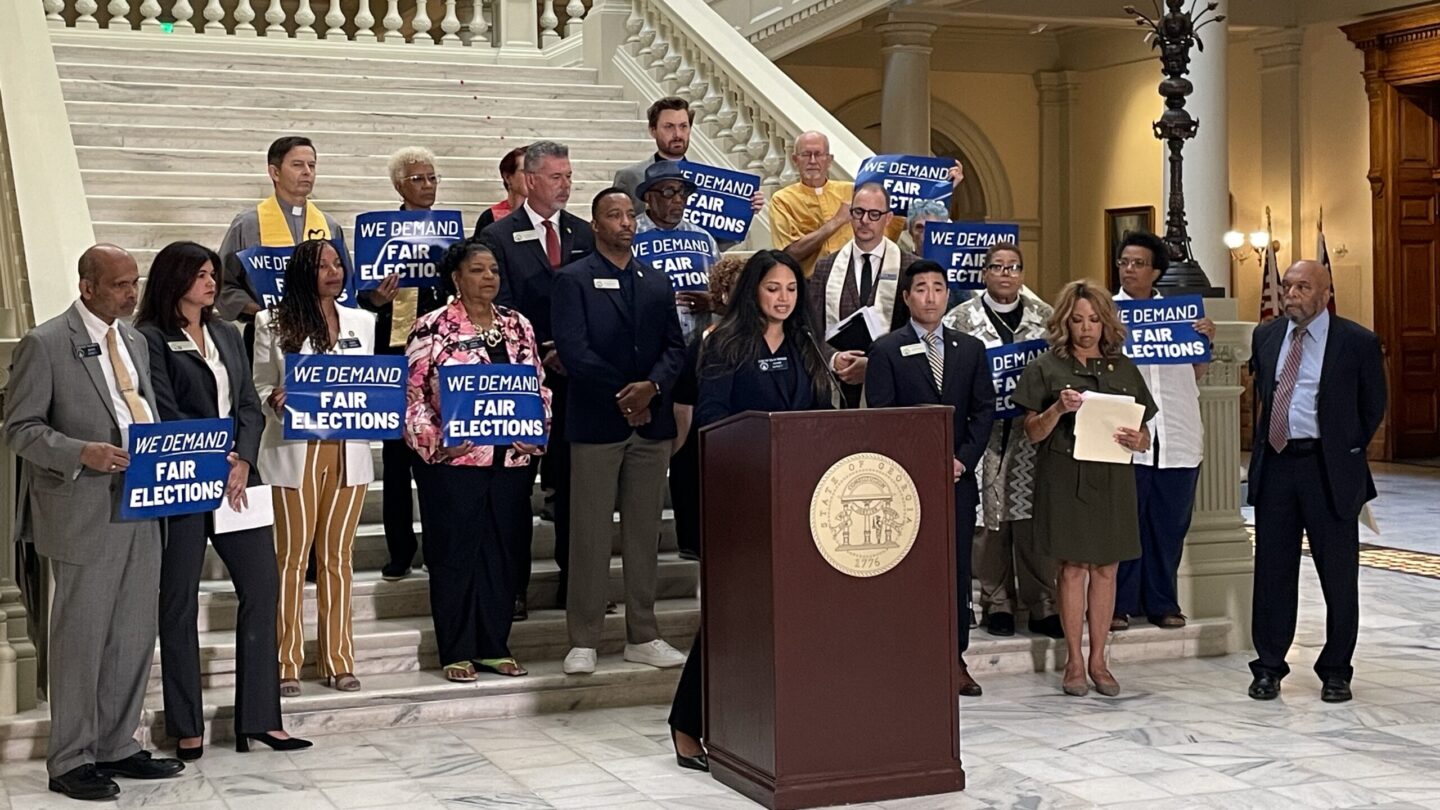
point(655, 653)
point(580, 661)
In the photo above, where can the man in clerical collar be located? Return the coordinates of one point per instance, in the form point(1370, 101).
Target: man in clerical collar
point(666, 191)
point(670, 121)
point(864, 272)
point(284, 219)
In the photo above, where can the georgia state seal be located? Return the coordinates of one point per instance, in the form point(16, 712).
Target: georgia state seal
point(865, 514)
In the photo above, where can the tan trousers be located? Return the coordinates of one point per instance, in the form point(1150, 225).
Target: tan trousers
point(323, 512)
point(1009, 554)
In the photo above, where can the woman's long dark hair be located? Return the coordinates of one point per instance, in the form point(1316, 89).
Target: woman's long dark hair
point(171, 275)
point(740, 336)
point(298, 317)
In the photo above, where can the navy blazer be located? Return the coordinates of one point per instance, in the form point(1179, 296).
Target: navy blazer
point(185, 387)
point(1350, 405)
point(894, 380)
point(605, 345)
point(725, 391)
point(526, 277)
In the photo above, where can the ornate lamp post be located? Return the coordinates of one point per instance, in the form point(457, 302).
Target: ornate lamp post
point(1174, 34)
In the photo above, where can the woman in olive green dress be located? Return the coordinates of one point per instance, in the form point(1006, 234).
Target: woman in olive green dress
point(1085, 511)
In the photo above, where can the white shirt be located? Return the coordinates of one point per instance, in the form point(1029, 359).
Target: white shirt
point(539, 222)
point(97, 330)
point(211, 356)
point(1176, 429)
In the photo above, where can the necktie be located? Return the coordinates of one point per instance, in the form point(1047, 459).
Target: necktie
point(133, 402)
point(866, 279)
point(1284, 389)
point(552, 244)
point(937, 362)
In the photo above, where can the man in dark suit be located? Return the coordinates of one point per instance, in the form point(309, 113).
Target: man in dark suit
point(620, 342)
point(78, 383)
point(1308, 474)
point(531, 245)
point(923, 363)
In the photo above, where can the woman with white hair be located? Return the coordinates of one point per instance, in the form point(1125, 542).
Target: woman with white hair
point(413, 173)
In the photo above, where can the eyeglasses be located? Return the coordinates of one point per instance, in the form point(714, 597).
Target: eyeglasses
point(867, 213)
point(1126, 264)
point(669, 192)
point(812, 155)
point(420, 179)
point(1005, 269)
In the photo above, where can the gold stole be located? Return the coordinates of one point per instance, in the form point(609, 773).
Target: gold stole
point(275, 228)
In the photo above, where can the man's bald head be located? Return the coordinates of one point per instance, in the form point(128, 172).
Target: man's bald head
point(109, 282)
point(811, 157)
point(1306, 291)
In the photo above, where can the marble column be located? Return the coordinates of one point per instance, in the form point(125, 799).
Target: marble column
point(905, 94)
point(1207, 156)
point(1218, 567)
point(1280, 175)
point(1057, 91)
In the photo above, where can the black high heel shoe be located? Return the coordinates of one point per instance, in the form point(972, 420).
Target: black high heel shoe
point(242, 742)
point(189, 754)
point(695, 763)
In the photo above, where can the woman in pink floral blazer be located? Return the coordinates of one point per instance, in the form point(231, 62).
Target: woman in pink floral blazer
point(474, 498)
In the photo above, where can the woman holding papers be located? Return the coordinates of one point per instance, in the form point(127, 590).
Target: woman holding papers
point(474, 497)
point(317, 486)
point(1085, 509)
point(199, 370)
point(761, 357)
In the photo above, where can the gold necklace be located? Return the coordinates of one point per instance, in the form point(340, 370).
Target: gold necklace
point(491, 336)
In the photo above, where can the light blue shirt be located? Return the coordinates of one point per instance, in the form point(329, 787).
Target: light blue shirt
point(939, 333)
point(1304, 402)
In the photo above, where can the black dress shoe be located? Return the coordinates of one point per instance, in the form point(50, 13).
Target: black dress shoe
point(85, 783)
point(521, 611)
point(1265, 687)
point(1335, 690)
point(141, 765)
point(968, 686)
point(1048, 626)
point(1000, 624)
point(189, 754)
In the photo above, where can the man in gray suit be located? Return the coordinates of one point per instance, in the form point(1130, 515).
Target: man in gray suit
point(79, 381)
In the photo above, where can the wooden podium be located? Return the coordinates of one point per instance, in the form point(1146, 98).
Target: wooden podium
point(823, 687)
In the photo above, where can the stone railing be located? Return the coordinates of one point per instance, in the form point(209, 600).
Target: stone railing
point(476, 23)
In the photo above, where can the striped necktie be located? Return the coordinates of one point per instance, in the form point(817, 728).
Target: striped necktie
point(937, 362)
point(1284, 390)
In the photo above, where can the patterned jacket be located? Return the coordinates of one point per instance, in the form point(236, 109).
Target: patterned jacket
point(435, 341)
point(1007, 470)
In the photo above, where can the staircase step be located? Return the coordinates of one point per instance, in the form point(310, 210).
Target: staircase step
point(407, 643)
point(394, 79)
point(474, 166)
point(374, 188)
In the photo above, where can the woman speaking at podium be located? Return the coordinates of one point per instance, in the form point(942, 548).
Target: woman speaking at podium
point(761, 357)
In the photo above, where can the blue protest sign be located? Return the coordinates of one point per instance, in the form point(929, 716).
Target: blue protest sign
point(1006, 365)
point(684, 256)
point(960, 248)
point(409, 243)
point(1161, 331)
point(721, 202)
point(176, 468)
point(265, 268)
point(491, 404)
point(908, 178)
point(337, 396)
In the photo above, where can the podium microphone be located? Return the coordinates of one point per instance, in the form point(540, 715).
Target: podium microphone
point(815, 344)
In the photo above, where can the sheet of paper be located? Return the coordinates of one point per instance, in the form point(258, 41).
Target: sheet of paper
point(258, 513)
point(1100, 415)
point(874, 323)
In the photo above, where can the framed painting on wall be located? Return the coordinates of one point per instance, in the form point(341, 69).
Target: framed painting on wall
point(1118, 222)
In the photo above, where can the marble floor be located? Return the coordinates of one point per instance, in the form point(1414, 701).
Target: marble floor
point(1182, 734)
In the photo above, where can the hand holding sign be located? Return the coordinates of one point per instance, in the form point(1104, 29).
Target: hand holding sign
point(908, 178)
point(180, 467)
point(328, 396)
point(104, 458)
point(724, 201)
point(491, 403)
point(960, 248)
point(1166, 331)
point(404, 244)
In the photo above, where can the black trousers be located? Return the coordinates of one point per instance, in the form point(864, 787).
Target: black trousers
point(250, 558)
point(475, 519)
point(967, 498)
point(1292, 502)
point(555, 475)
point(685, 492)
point(687, 710)
point(398, 511)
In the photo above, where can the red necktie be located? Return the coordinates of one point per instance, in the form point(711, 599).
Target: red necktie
point(552, 244)
point(1284, 389)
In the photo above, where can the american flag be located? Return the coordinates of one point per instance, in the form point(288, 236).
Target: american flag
point(1323, 256)
point(1271, 295)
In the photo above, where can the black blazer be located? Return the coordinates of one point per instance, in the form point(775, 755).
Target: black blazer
point(185, 388)
point(1350, 405)
point(725, 391)
point(525, 275)
point(605, 348)
point(894, 380)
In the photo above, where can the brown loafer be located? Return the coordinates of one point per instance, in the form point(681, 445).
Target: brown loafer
point(1119, 623)
point(1169, 620)
point(968, 686)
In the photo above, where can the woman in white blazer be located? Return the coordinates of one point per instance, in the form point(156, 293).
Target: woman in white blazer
point(318, 486)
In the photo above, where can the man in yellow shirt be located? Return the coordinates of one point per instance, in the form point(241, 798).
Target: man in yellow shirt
point(811, 218)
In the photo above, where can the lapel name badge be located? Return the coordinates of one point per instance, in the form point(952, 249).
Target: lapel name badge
point(88, 350)
point(912, 349)
point(607, 283)
point(473, 344)
point(526, 236)
point(773, 363)
point(350, 343)
point(182, 346)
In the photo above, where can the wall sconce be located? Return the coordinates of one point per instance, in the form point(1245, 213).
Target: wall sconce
point(1243, 247)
